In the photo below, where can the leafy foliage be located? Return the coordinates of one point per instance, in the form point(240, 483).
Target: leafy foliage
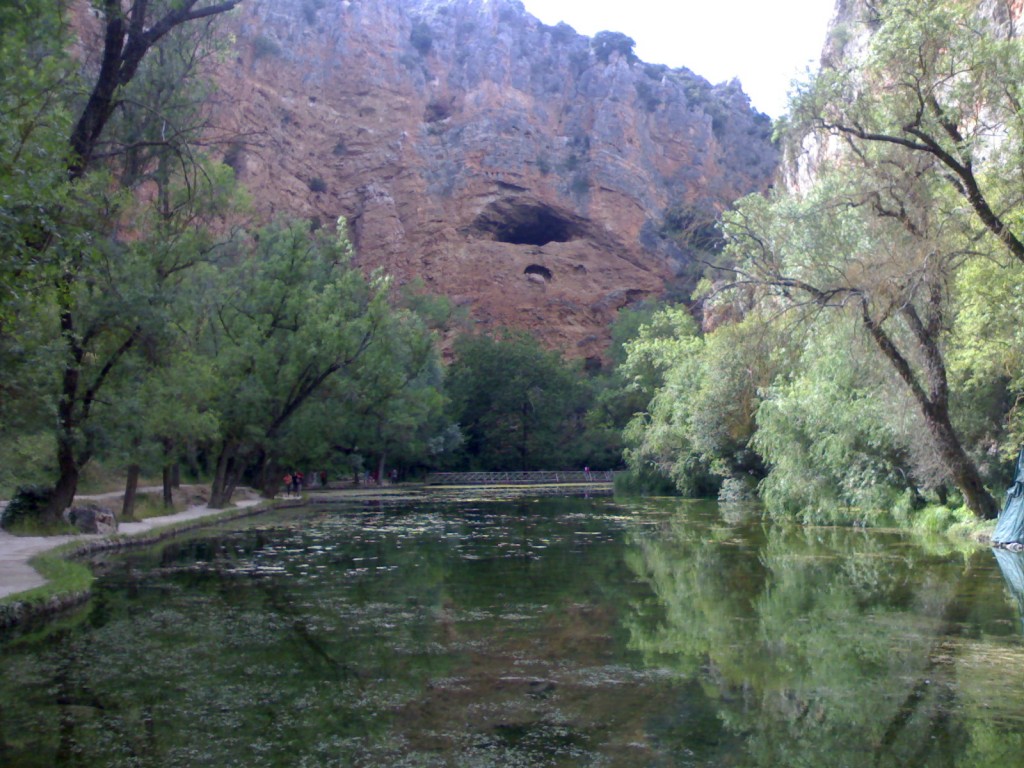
point(519, 405)
point(703, 394)
point(28, 503)
point(421, 37)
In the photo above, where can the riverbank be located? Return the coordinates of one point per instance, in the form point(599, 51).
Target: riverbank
point(39, 575)
point(16, 552)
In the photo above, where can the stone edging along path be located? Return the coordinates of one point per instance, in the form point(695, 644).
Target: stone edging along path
point(16, 552)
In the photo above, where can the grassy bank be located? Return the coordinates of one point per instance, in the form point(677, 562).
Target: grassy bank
point(69, 581)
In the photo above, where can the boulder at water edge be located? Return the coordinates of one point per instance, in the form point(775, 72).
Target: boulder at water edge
point(91, 518)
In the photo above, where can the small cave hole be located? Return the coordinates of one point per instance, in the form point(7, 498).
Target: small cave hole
point(437, 110)
point(537, 269)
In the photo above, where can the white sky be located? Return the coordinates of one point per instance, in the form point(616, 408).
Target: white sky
point(765, 43)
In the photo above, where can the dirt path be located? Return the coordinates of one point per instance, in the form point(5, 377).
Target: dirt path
point(16, 575)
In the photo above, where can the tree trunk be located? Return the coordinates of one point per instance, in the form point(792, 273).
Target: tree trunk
point(934, 405)
point(234, 474)
point(381, 466)
point(67, 465)
point(168, 483)
point(67, 482)
point(524, 438)
point(963, 471)
point(223, 483)
point(131, 485)
point(268, 474)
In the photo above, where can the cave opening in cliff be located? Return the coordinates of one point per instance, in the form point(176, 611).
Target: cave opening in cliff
point(537, 269)
point(521, 222)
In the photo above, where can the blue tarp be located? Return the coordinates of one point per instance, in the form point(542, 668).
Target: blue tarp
point(1010, 525)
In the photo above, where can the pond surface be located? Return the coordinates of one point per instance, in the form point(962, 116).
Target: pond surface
point(554, 632)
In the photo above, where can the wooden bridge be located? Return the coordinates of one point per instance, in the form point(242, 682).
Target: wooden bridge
point(544, 477)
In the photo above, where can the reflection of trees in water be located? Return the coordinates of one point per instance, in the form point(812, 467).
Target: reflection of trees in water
point(1011, 565)
point(820, 646)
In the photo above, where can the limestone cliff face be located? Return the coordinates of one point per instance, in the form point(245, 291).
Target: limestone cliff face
point(524, 170)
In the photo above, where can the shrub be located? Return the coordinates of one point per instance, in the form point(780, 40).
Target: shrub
point(26, 507)
point(655, 71)
point(265, 46)
point(644, 483)
point(437, 110)
point(316, 184)
point(645, 92)
point(562, 33)
point(233, 157)
point(606, 43)
point(421, 37)
point(309, 10)
point(736, 489)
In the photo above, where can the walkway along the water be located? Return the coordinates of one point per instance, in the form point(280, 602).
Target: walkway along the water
point(16, 575)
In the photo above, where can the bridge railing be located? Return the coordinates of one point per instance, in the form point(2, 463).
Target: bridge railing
point(520, 478)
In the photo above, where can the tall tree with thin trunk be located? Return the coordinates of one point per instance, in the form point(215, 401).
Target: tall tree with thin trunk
point(875, 247)
point(96, 278)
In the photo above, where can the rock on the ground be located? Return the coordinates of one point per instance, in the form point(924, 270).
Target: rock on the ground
point(91, 518)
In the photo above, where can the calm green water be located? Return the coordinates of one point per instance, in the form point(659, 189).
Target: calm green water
point(556, 632)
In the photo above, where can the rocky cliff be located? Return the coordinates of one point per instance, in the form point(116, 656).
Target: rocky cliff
point(530, 173)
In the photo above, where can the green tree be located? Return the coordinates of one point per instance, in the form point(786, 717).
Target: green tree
point(867, 244)
point(291, 313)
point(130, 32)
point(66, 224)
point(939, 83)
point(36, 83)
point(921, 102)
point(520, 406)
point(378, 412)
point(985, 358)
point(840, 434)
point(604, 44)
point(159, 404)
point(702, 396)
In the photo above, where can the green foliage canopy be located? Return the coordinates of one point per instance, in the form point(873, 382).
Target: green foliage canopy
point(520, 406)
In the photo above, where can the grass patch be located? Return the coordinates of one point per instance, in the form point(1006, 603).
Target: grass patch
point(149, 505)
point(63, 575)
point(36, 527)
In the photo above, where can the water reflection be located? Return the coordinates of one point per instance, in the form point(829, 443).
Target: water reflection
point(1011, 565)
point(834, 646)
point(535, 633)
